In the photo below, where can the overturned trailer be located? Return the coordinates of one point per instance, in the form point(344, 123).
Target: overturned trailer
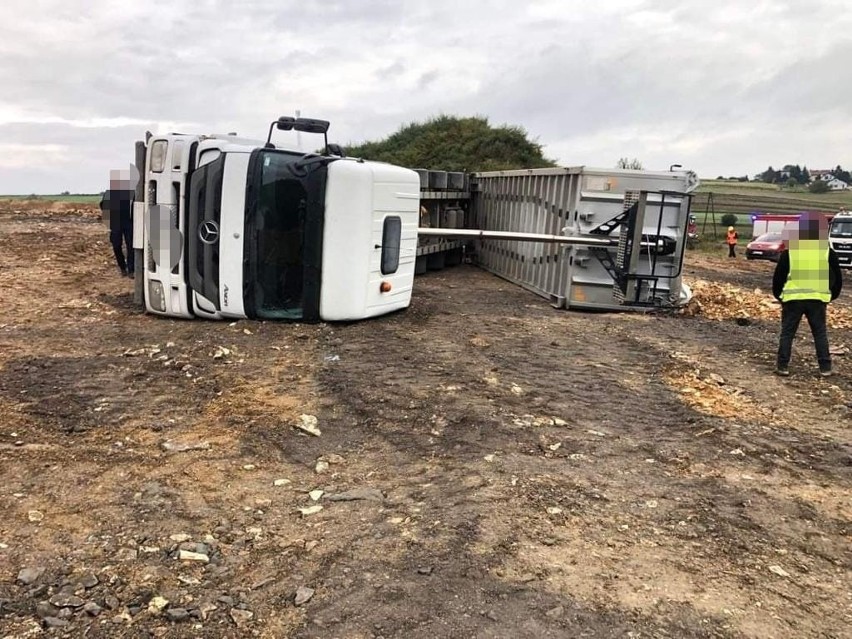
point(227, 228)
point(582, 238)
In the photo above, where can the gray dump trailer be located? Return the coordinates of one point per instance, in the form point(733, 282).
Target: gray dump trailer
point(582, 238)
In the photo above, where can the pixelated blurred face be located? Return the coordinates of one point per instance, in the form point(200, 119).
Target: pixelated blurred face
point(124, 179)
point(819, 229)
point(815, 228)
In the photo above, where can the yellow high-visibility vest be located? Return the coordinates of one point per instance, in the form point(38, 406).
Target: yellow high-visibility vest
point(808, 278)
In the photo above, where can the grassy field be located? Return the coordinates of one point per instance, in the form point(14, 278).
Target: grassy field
point(745, 198)
point(773, 190)
point(77, 198)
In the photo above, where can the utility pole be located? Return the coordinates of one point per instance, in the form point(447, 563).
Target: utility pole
point(709, 212)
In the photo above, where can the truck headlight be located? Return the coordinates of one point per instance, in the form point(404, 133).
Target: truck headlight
point(156, 297)
point(158, 155)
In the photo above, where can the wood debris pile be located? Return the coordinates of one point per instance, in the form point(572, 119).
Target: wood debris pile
point(720, 301)
point(839, 317)
point(710, 395)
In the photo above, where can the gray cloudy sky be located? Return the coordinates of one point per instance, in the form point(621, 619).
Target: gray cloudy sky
point(720, 86)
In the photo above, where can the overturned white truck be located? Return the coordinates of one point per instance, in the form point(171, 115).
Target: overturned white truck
point(226, 227)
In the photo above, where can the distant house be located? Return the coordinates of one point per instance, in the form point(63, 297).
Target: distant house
point(826, 175)
point(837, 185)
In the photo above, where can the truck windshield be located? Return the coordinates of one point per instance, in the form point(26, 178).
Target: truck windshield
point(841, 228)
point(283, 237)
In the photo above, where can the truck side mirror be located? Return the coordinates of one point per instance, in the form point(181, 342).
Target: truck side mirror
point(305, 125)
point(309, 125)
point(285, 123)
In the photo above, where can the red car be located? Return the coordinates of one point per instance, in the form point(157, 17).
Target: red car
point(766, 247)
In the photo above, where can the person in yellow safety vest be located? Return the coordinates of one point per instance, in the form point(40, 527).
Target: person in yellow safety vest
point(807, 277)
point(731, 240)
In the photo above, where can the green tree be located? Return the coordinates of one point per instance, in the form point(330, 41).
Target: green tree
point(625, 163)
point(728, 219)
point(819, 186)
point(792, 183)
point(769, 176)
point(806, 175)
point(452, 143)
point(797, 174)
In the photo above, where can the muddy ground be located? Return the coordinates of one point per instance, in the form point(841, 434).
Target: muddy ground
point(519, 471)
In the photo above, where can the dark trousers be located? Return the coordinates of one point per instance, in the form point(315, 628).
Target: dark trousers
point(732, 250)
point(118, 237)
point(791, 315)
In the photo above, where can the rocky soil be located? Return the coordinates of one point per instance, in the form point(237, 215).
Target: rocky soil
point(479, 465)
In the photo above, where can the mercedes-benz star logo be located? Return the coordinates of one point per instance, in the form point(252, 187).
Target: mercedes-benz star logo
point(208, 232)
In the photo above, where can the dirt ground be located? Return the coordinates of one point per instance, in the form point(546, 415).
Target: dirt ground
point(517, 471)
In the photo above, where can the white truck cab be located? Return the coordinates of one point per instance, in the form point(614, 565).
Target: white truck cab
point(236, 228)
point(840, 237)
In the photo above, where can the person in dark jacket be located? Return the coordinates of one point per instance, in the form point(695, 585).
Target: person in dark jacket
point(807, 277)
point(117, 208)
